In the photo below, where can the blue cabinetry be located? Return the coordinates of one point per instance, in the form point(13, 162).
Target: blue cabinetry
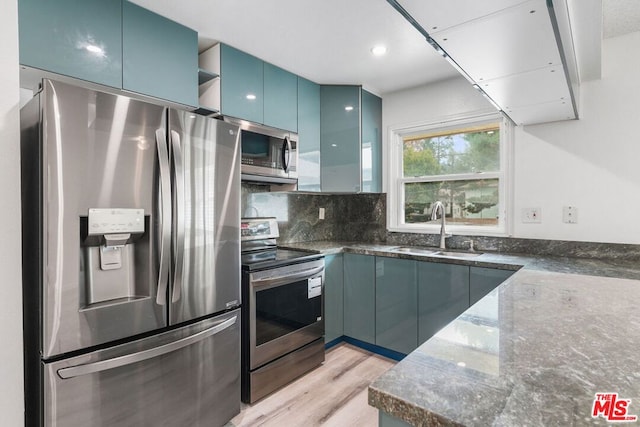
point(340, 138)
point(160, 56)
point(371, 143)
point(359, 297)
point(80, 39)
point(443, 294)
point(242, 84)
point(308, 135)
point(111, 42)
point(396, 304)
point(280, 98)
point(333, 297)
point(484, 280)
point(350, 139)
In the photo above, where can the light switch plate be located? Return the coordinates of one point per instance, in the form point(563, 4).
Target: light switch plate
point(532, 215)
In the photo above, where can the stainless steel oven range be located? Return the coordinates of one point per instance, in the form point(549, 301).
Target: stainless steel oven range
point(282, 300)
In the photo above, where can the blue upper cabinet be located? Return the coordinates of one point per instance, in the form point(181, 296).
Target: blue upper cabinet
point(340, 138)
point(371, 143)
point(350, 139)
point(242, 81)
point(280, 98)
point(80, 39)
point(160, 56)
point(308, 135)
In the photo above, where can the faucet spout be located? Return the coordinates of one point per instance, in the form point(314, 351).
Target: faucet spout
point(439, 206)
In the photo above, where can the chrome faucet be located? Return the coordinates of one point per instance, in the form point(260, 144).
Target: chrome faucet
point(434, 215)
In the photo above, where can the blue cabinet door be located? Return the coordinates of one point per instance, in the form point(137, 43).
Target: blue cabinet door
point(242, 85)
point(80, 39)
point(160, 56)
point(396, 304)
point(308, 135)
point(443, 294)
point(333, 297)
point(340, 138)
point(371, 143)
point(359, 297)
point(280, 98)
point(484, 280)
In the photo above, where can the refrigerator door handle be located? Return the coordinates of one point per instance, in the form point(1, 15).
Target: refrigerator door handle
point(165, 212)
point(116, 362)
point(179, 215)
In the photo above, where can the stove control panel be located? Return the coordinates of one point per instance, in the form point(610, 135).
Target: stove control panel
point(258, 229)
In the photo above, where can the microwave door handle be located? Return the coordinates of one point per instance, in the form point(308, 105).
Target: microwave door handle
point(116, 362)
point(286, 153)
point(165, 216)
point(179, 215)
point(286, 278)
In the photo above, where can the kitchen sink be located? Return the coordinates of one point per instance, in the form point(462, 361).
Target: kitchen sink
point(457, 254)
point(417, 251)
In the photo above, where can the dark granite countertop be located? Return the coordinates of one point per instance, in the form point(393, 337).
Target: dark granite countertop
point(534, 351)
point(617, 268)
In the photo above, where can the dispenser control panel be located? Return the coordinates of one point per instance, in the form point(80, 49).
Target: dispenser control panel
point(115, 220)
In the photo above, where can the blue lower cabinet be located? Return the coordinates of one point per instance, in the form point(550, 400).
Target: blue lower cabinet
point(443, 294)
point(484, 280)
point(359, 297)
point(80, 39)
point(333, 297)
point(386, 420)
point(396, 304)
point(160, 56)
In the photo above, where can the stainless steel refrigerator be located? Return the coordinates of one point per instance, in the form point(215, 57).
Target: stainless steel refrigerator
point(131, 262)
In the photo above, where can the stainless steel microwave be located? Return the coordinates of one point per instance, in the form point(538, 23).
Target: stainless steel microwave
point(268, 154)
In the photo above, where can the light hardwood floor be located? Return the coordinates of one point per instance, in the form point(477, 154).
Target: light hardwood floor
point(335, 394)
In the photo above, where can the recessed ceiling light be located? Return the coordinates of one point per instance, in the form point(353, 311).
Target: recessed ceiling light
point(251, 97)
point(334, 145)
point(348, 108)
point(94, 49)
point(379, 50)
point(461, 364)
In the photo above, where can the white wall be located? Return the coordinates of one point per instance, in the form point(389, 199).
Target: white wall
point(592, 163)
point(11, 395)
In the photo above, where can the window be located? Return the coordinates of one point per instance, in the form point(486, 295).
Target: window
point(461, 163)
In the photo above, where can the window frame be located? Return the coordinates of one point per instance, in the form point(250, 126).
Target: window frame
point(395, 179)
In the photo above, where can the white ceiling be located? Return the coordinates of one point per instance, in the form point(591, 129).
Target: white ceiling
point(620, 17)
point(325, 41)
point(329, 41)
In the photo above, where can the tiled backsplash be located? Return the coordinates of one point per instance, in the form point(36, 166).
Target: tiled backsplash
point(362, 218)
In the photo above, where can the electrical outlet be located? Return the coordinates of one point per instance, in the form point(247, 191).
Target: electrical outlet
point(532, 215)
point(570, 214)
point(321, 213)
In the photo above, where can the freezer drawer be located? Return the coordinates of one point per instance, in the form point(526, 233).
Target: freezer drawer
point(185, 377)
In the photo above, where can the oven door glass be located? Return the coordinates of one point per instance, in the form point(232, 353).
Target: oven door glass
point(284, 309)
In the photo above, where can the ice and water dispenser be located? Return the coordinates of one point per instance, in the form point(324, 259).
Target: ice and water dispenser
point(114, 256)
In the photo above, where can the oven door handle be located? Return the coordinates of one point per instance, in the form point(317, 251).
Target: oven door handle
point(286, 278)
